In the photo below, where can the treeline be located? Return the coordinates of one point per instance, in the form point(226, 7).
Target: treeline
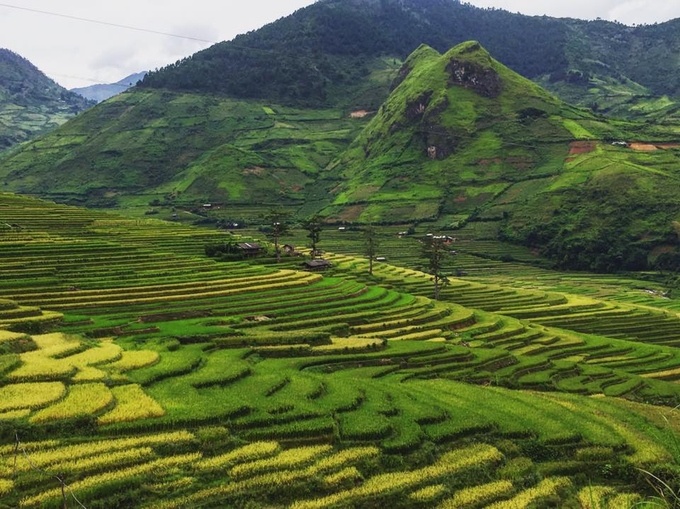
point(297, 58)
point(301, 58)
point(607, 232)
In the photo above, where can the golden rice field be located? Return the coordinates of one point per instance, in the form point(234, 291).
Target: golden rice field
point(137, 372)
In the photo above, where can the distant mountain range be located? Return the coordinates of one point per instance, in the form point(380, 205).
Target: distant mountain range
point(30, 102)
point(100, 92)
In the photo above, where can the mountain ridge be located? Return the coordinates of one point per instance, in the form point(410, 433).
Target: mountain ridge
point(102, 91)
point(30, 102)
point(599, 64)
point(462, 141)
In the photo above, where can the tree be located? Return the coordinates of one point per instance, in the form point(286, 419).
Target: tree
point(277, 227)
point(371, 244)
point(668, 265)
point(435, 251)
point(313, 226)
point(220, 249)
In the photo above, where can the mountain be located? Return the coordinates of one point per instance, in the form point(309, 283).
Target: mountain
point(100, 92)
point(30, 102)
point(345, 109)
point(149, 146)
point(455, 131)
point(467, 143)
point(317, 55)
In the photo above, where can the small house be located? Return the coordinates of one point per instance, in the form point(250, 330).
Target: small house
point(289, 250)
point(317, 265)
point(249, 249)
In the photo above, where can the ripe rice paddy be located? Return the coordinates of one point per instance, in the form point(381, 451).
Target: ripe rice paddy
point(135, 371)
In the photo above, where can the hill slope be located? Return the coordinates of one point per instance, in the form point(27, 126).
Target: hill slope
point(462, 140)
point(315, 55)
point(157, 377)
point(30, 102)
point(184, 149)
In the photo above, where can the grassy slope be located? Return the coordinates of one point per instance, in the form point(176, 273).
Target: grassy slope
point(147, 145)
point(465, 128)
point(536, 166)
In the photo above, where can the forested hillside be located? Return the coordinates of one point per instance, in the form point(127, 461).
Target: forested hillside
point(30, 102)
point(316, 54)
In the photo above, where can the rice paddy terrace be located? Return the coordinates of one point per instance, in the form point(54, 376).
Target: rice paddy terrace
point(137, 372)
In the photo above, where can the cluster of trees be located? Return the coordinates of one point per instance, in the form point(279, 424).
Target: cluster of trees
point(604, 249)
point(435, 251)
point(226, 250)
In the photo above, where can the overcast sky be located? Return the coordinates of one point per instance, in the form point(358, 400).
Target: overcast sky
point(103, 46)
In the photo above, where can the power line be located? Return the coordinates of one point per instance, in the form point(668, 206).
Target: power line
point(18, 446)
point(88, 20)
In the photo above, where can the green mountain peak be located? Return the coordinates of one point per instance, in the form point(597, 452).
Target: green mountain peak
point(445, 114)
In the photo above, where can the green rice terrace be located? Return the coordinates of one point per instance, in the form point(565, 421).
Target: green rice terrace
point(135, 371)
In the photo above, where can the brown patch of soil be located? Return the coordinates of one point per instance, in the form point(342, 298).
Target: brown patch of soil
point(359, 114)
point(351, 213)
point(581, 147)
point(643, 147)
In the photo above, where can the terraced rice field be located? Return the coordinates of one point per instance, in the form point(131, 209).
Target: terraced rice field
point(137, 372)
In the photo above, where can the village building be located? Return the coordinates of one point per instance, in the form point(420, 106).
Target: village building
point(250, 249)
point(317, 265)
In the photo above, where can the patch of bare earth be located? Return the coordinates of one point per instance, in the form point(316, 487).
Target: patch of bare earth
point(581, 147)
point(255, 170)
point(351, 213)
point(359, 114)
point(643, 147)
point(651, 147)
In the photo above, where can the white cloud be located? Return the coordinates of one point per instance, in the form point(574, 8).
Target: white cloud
point(76, 53)
point(629, 12)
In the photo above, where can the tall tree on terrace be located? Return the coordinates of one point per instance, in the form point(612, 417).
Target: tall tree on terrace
point(276, 222)
point(313, 225)
point(371, 244)
point(435, 252)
